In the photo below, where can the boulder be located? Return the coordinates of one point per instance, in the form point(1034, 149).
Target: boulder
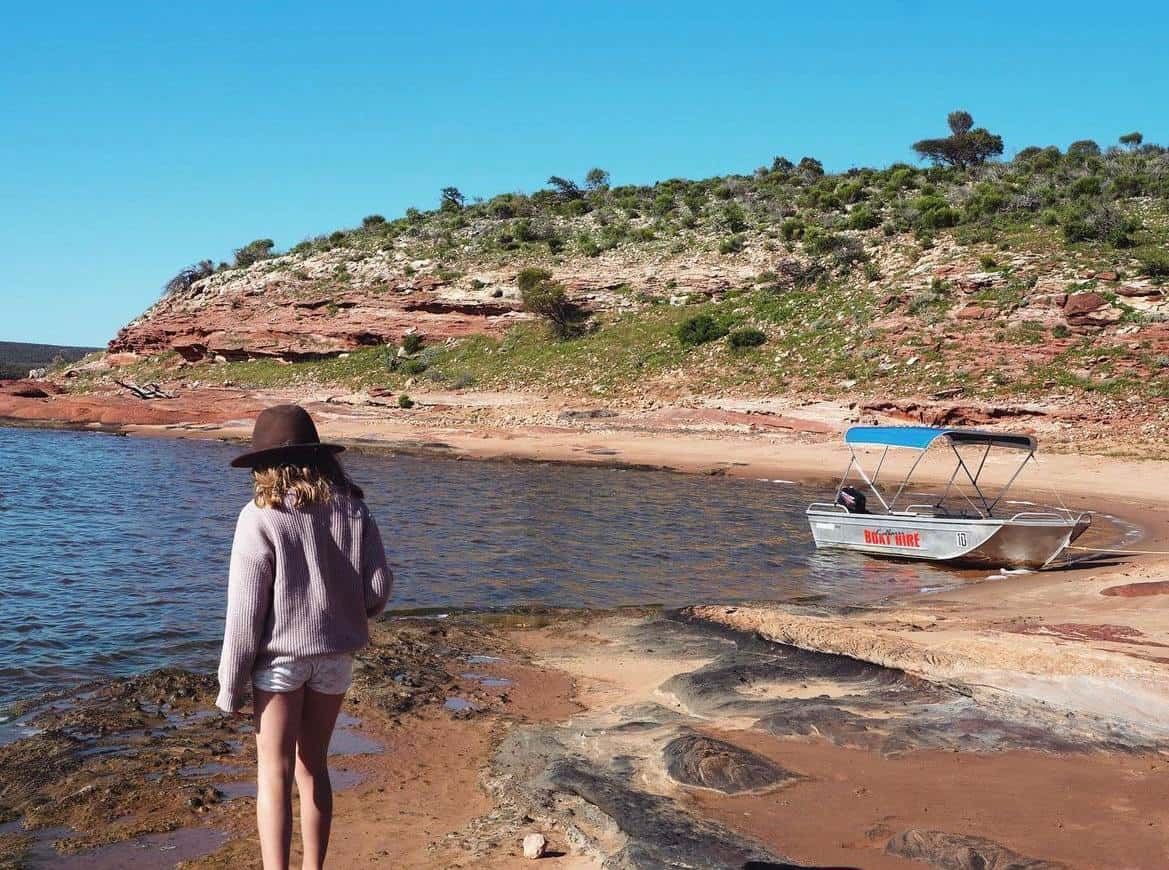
point(974, 312)
point(1138, 290)
point(535, 845)
point(1079, 304)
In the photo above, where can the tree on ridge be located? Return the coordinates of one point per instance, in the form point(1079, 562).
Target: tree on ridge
point(966, 145)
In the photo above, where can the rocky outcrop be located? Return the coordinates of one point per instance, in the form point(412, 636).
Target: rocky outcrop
point(948, 414)
point(300, 308)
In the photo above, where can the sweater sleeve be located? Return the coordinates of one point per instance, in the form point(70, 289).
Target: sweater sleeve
point(249, 600)
point(375, 573)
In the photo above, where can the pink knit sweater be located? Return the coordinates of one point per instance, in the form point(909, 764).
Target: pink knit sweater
point(303, 582)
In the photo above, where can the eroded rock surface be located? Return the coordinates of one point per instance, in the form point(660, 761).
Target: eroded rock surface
point(697, 760)
point(947, 851)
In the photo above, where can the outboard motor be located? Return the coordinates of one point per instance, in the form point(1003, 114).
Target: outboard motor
point(851, 499)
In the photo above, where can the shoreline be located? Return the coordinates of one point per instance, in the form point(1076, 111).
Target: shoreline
point(1079, 648)
point(463, 728)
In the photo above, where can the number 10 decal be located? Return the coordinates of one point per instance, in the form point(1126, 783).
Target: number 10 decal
point(961, 539)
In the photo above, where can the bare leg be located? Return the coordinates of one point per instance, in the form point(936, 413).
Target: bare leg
point(278, 717)
point(318, 717)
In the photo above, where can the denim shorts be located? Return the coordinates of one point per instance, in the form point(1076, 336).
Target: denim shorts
point(327, 674)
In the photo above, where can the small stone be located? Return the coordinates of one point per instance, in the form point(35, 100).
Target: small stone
point(535, 845)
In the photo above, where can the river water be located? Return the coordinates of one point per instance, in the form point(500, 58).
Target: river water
point(113, 551)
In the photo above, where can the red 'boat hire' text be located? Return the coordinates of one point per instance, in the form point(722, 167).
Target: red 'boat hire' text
point(893, 539)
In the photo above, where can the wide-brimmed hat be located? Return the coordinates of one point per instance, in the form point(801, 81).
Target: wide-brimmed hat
point(283, 432)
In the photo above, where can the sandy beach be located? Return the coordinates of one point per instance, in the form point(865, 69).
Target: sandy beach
point(1014, 719)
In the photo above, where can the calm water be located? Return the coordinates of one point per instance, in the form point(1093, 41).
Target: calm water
point(113, 551)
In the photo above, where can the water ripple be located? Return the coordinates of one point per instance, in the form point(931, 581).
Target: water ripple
point(113, 551)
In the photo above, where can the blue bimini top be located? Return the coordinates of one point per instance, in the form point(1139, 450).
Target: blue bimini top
point(921, 437)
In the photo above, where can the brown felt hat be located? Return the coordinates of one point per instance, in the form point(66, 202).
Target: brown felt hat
point(283, 432)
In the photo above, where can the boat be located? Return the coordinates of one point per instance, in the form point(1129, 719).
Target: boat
point(963, 525)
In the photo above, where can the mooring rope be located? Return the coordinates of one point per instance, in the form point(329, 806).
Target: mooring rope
point(1123, 552)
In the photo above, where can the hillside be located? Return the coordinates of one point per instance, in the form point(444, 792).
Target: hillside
point(17, 358)
point(1040, 278)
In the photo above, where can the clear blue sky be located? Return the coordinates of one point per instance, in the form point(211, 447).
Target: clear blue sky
point(139, 137)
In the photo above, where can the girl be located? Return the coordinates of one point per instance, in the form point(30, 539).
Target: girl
point(307, 571)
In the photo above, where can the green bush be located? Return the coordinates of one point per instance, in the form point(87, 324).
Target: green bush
point(547, 298)
point(863, 218)
point(792, 229)
point(987, 262)
point(730, 245)
point(1154, 262)
point(819, 241)
point(1060, 330)
point(1083, 148)
point(1083, 222)
point(405, 401)
point(253, 252)
point(733, 219)
point(412, 342)
point(530, 277)
point(1088, 185)
point(699, 330)
point(933, 213)
point(413, 366)
point(373, 220)
point(744, 338)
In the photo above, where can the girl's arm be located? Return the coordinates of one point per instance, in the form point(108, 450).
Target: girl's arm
point(249, 599)
point(375, 573)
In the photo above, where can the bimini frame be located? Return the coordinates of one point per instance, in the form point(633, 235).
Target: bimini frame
point(919, 438)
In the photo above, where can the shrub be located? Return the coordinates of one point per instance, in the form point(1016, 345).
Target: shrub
point(502, 207)
point(254, 252)
point(1088, 185)
point(819, 241)
point(730, 245)
point(412, 342)
point(792, 229)
point(1154, 262)
point(529, 277)
point(1083, 222)
point(810, 166)
point(733, 219)
point(413, 366)
point(452, 199)
point(872, 273)
point(699, 330)
point(847, 252)
point(188, 276)
point(933, 213)
point(744, 338)
point(597, 179)
point(987, 262)
point(547, 298)
point(405, 401)
point(863, 218)
point(1127, 185)
point(372, 220)
point(1060, 330)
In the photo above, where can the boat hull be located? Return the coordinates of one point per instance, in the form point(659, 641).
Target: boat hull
point(1022, 541)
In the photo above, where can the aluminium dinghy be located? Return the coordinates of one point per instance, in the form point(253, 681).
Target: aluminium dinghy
point(962, 525)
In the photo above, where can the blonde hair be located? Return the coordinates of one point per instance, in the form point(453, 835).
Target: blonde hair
point(302, 484)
